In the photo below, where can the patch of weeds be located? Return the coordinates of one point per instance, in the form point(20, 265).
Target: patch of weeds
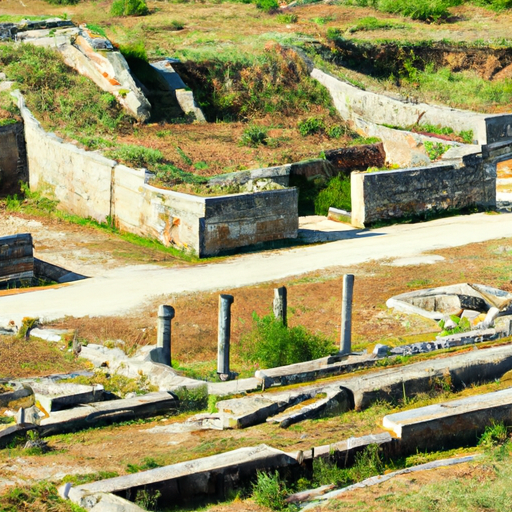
point(372, 23)
point(336, 131)
point(169, 174)
point(270, 491)
point(287, 18)
point(322, 20)
point(311, 126)
point(96, 29)
point(361, 141)
point(194, 399)
point(461, 325)
point(495, 5)
point(27, 324)
point(419, 283)
point(38, 497)
point(147, 498)
point(435, 150)
point(201, 166)
point(129, 8)
point(272, 344)
point(147, 463)
point(138, 156)
point(176, 25)
point(337, 194)
point(186, 159)
point(267, 6)
point(254, 135)
point(116, 383)
point(494, 435)
point(89, 477)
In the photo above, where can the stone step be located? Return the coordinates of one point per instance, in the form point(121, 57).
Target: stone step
point(450, 423)
point(88, 416)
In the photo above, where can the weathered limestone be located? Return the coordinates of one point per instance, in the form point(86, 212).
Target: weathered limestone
point(353, 103)
point(212, 477)
point(388, 195)
point(436, 303)
point(224, 337)
point(280, 304)
point(346, 314)
point(87, 416)
point(451, 423)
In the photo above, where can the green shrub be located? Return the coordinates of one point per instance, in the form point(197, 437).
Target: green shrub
point(270, 491)
point(287, 18)
point(171, 175)
point(372, 23)
point(495, 5)
point(136, 155)
point(337, 194)
point(494, 435)
point(336, 131)
point(435, 149)
point(129, 8)
point(272, 344)
point(254, 136)
point(134, 50)
point(267, 5)
point(310, 126)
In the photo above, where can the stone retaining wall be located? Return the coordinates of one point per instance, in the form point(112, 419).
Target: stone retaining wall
point(90, 185)
point(389, 195)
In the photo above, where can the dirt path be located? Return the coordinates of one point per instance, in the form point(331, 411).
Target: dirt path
point(122, 288)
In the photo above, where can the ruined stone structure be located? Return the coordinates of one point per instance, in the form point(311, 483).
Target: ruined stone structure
point(13, 158)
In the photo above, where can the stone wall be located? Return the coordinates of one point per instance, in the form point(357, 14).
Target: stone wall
point(389, 195)
point(90, 185)
point(13, 158)
point(16, 259)
point(353, 103)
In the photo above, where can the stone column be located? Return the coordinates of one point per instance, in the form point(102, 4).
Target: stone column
point(165, 315)
point(225, 302)
point(346, 314)
point(280, 304)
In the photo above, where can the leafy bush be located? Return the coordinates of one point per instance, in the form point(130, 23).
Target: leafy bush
point(493, 435)
point(461, 325)
point(336, 131)
point(136, 155)
point(287, 18)
point(254, 136)
point(129, 8)
point(337, 194)
point(435, 149)
point(270, 491)
point(272, 344)
point(267, 5)
point(495, 5)
point(310, 126)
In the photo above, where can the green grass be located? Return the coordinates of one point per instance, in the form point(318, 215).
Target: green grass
point(370, 23)
point(337, 194)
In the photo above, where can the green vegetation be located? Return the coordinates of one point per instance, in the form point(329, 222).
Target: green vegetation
point(337, 194)
point(287, 18)
point(272, 344)
point(195, 399)
point(310, 126)
point(270, 491)
point(116, 383)
point(81, 479)
point(40, 496)
point(147, 463)
point(66, 101)
point(138, 156)
point(62, 2)
point(424, 10)
point(129, 8)
point(462, 325)
point(435, 149)
point(241, 87)
point(372, 23)
point(254, 136)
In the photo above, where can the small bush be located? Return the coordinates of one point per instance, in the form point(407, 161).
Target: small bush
point(129, 8)
point(272, 344)
point(254, 136)
point(287, 18)
point(310, 126)
point(495, 5)
point(337, 194)
point(494, 435)
point(435, 149)
point(336, 131)
point(267, 5)
point(270, 491)
point(372, 23)
point(136, 155)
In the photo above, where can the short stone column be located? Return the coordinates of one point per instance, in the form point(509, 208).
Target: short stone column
point(280, 304)
point(165, 315)
point(346, 315)
point(223, 370)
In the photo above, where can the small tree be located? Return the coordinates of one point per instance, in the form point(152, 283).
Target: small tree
point(129, 8)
